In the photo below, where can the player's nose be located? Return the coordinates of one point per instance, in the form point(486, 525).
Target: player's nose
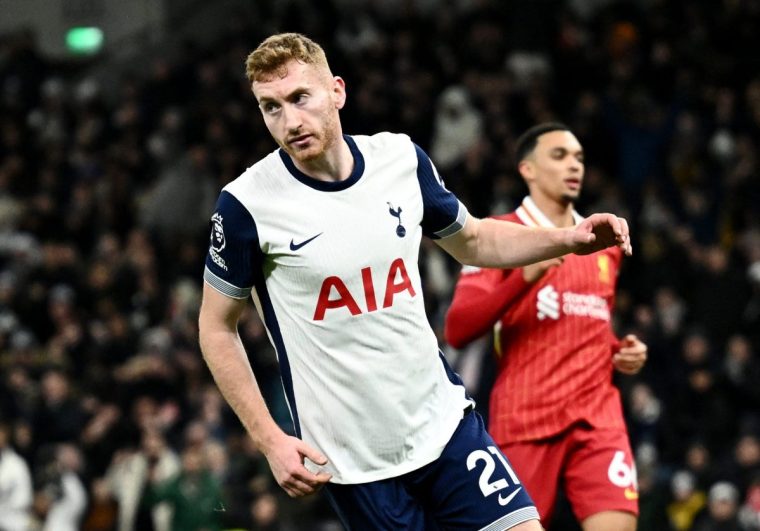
point(292, 119)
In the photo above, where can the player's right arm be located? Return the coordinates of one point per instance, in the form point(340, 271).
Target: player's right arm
point(226, 358)
point(481, 298)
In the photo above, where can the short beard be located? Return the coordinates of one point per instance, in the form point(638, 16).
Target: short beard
point(303, 156)
point(569, 199)
point(327, 136)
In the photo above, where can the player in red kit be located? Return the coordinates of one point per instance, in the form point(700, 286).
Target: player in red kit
point(554, 409)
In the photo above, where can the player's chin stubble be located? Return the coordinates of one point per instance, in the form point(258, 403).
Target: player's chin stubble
point(569, 198)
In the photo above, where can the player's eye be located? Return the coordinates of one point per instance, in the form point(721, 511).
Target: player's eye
point(271, 107)
point(301, 98)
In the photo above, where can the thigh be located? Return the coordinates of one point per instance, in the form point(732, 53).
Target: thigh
point(378, 506)
point(472, 486)
point(539, 465)
point(600, 474)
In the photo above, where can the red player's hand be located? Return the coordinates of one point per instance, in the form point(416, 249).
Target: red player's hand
point(631, 356)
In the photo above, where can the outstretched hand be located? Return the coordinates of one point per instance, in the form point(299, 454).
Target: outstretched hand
point(600, 231)
point(286, 459)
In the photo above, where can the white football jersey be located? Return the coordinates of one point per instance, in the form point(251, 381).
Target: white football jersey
point(332, 268)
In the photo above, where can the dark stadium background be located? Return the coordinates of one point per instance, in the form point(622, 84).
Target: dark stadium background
point(110, 164)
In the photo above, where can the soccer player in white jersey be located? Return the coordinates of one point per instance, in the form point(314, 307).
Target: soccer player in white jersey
point(324, 234)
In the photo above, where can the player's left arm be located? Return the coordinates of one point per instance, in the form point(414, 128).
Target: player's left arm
point(501, 244)
point(631, 356)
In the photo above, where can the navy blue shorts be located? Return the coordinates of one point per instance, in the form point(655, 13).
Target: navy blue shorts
point(470, 487)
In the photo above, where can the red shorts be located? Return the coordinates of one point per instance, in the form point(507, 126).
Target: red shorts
point(595, 468)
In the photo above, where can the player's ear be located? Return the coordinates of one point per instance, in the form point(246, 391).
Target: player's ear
point(339, 92)
point(527, 170)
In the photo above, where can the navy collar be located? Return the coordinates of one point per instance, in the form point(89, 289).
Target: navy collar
point(328, 186)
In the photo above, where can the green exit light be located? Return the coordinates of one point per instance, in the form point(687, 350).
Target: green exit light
point(84, 40)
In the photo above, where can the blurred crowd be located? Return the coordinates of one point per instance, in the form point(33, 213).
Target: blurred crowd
point(109, 419)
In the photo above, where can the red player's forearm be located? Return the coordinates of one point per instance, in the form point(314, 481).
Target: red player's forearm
point(475, 310)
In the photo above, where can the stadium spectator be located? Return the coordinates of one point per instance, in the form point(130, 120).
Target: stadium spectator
point(61, 497)
point(129, 475)
point(103, 511)
point(687, 501)
point(722, 507)
point(60, 417)
point(15, 485)
point(749, 512)
point(193, 494)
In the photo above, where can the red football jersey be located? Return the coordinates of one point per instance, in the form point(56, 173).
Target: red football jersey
point(554, 340)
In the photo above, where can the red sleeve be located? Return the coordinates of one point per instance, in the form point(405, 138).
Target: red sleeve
point(614, 343)
point(617, 257)
point(480, 300)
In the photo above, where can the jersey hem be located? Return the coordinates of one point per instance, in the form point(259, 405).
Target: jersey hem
point(393, 472)
point(402, 468)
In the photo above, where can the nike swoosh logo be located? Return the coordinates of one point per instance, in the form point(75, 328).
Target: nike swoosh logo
point(505, 501)
point(631, 494)
point(295, 246)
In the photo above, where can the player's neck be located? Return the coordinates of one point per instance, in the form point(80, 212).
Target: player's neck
point(560, 213)
point(335, 164)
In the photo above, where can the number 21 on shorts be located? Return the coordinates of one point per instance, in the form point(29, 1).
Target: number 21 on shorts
point(488, 485)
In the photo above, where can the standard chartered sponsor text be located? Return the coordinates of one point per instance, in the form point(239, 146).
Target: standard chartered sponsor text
point(584, 305)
